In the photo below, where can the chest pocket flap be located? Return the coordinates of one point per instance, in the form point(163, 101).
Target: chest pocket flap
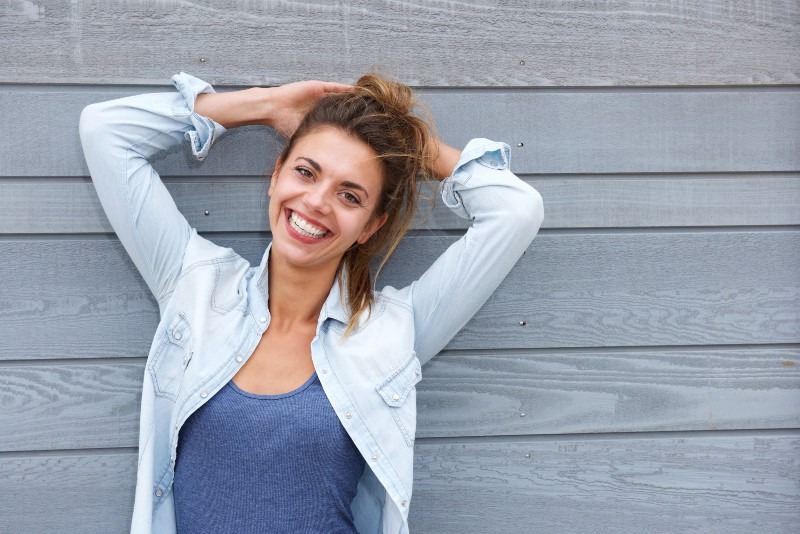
point(171, 357)
point(396, 388)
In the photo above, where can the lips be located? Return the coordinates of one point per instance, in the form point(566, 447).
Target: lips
point(304, 227)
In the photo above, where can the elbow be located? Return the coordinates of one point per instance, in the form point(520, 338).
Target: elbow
point(531, 212)
point(89, 123)
point(94, 126)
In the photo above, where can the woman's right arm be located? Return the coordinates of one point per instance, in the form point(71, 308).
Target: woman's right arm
point(118, 138)
point(121, 135)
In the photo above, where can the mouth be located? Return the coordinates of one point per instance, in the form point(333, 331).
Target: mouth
point(305, 228)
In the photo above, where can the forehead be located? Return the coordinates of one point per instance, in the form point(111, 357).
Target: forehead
point(341, 156)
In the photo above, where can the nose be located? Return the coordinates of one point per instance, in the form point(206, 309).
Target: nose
point(317, 199)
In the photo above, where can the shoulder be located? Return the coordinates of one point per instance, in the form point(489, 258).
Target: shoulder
point(202, 252)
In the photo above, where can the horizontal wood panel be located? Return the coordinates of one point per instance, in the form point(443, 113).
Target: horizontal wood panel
point(87, 405)
point(728, 483)
point(623, 42)
point(86, 493)
point(70, 406)
point(571, 290)
point(240, 205)
point(665, 485)
point(561, 131)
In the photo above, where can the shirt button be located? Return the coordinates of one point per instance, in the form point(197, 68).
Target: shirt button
point(416, 372)
point(374, 457)
point(396, 397)
point(239, 359)
point(177, 335)
point(404, 504)
point(263, 319)
point(324, 371)
point(204, 394)
point(493, 164)
point(159, 493)
point(348, 415)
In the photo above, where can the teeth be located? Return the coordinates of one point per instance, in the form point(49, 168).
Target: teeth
point(304, 227)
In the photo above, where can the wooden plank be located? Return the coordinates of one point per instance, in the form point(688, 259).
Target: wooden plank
point(683, 483)
point(562, 131)
point(479, 393)
point(423, 43)
point(725, 484)
point(571, 289)
point(240, 204)
point(87, 493)
point(70, 406)
point(484, 393)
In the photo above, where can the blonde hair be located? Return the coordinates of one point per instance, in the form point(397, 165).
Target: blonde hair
point(385, 116)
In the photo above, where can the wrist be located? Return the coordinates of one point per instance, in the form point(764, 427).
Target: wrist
point(446, 160)
point(261, 105)
point(235, 108)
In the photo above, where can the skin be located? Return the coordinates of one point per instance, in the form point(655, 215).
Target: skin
point(338, 196)
point(333, 181)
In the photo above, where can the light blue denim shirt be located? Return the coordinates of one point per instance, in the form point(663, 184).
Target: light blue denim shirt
point(213, 303)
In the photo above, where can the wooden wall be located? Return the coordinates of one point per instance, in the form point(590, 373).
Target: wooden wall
point(637, 371)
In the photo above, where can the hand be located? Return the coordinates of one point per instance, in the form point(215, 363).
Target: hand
point(288, 104)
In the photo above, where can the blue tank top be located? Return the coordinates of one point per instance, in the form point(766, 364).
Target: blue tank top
point(252, 463)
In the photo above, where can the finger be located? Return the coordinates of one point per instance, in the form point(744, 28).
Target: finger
point(333, 87)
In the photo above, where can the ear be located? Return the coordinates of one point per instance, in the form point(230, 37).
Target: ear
point(373, 226)
point(274, 179)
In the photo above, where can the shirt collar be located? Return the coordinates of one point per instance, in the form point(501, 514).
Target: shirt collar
point(335, 307)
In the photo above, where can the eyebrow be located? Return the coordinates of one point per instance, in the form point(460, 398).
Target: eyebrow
point(347, 183)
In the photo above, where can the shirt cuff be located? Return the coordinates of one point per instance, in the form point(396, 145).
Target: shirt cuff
point(478, 156)
point(205, 131)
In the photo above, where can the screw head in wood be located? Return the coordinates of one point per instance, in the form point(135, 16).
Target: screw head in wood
point(522, 323)
point(206, 213)
point(522, 63)
point(203, 60)
point(527, 455)
point(520, 144)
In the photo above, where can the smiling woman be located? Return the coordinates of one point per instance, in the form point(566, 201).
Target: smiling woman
point(324, 200)
point(281, 397)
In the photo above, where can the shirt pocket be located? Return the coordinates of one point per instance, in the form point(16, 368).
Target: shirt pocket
point(399, 393)
point(172, 355)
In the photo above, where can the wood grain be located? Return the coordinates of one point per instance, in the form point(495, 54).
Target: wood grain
point(572, 289)
point(240, 204)
point(87, 493)
point(726, 483)
point(664, 485)
point(561, 131)
point(70, 405)
point(623, 42)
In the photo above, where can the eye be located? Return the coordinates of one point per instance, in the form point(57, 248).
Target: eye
point(351, 198)
point(304, 172)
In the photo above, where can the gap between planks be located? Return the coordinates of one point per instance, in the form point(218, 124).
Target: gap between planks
point(455, 353)
point(465, 440)
point(456, 232)
point(422, 90)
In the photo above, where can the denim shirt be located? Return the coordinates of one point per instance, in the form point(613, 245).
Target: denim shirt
point(213, 303)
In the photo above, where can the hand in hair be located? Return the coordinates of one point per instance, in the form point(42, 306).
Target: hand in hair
point(289, 103)
point(282, 107)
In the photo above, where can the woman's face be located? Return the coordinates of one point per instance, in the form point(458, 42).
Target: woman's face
point(323, 199)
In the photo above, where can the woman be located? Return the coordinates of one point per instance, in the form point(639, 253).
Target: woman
point(281, 397)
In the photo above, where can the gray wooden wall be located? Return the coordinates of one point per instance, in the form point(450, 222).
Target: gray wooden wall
point(637, 371)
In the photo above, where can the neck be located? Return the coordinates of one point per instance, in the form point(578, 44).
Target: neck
point(296, 296)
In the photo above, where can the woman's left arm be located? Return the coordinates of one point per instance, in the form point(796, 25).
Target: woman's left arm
point(506, 214)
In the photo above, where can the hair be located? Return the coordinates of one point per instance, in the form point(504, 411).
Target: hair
point(385, 116)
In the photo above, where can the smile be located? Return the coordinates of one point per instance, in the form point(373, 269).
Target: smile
point(305, 228)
